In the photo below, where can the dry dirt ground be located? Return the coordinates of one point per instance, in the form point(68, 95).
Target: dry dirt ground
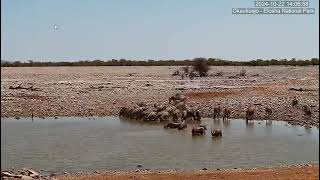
point(289, 173)
point(102, 91)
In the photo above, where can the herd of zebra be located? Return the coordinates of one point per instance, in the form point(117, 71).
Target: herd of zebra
point(176, 113)
point(175, 110)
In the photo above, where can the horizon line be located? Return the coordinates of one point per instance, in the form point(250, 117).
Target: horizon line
point(150, 59)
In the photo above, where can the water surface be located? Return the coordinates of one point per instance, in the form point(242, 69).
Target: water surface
point(76, 144)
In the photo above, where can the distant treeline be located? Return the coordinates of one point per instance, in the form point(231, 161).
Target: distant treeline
point(124, 62)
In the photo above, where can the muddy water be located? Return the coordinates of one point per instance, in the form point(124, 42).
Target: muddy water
point(75, 144)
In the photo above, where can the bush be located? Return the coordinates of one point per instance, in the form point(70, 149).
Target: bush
point(201, 66)
point(192, 74)
point(176, 73)
point(186, 70)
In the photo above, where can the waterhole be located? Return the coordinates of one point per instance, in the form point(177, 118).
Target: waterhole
point(109, 143)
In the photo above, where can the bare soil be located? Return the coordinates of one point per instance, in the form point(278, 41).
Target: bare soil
point(102, 91)
point(290, 173)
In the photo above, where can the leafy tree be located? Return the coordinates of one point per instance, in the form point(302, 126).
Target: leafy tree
point(201, 66)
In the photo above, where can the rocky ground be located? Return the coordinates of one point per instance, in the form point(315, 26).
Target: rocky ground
point(102, 91)
point(24, 174)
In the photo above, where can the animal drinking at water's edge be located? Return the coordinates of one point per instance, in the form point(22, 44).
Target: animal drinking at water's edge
point(172, 125)
point(249, 113)
point(203, 126)
point(198, 131)
point(179, 125)
point(152, 116)
point(216, 112)
point(216, 133)
point(197, 115)
point(268, 111)
point(183, 125)
point(226, 114)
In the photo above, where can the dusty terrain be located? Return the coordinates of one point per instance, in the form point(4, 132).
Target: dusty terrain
point(291, 173)
point(102, 91)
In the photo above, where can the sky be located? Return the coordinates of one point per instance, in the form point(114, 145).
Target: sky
point(151, 29)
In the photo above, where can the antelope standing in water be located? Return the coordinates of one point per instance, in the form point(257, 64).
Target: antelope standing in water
point(250, 113)
point(216, 112)
point(226, 114)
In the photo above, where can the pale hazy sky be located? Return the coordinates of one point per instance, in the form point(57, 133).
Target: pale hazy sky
point(151, 29)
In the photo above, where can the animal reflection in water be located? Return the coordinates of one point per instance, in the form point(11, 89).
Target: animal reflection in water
point(249, 124)
point(226, 123)
point(216, 122)
point(268, 122)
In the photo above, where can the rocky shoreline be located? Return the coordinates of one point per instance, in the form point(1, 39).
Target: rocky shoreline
point(24, 174)
point(29, 174)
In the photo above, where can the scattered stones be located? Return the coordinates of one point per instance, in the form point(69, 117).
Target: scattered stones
point(23, 173)
point(61, 99)
point(33, 173)
point(8, 174)
point(23, 177)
